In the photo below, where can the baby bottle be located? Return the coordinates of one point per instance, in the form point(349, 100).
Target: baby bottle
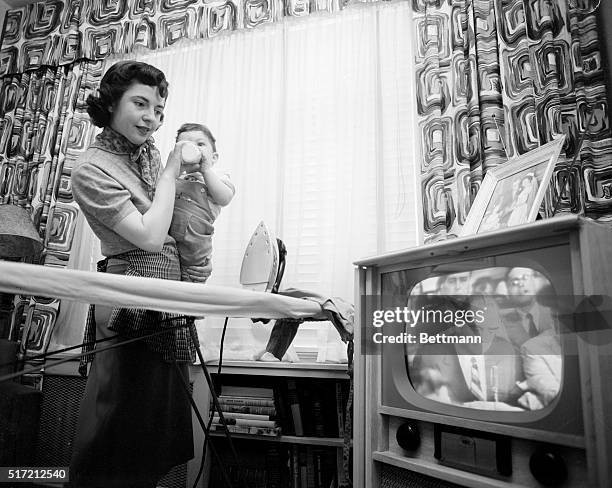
point(191, 156)
point(190, 153)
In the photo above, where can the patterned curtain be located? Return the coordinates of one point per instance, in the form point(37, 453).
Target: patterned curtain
point(58, 32)
point(43, 128)
point(497, 78)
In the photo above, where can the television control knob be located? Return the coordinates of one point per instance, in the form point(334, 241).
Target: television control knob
point(548, 467)
point(408, 436)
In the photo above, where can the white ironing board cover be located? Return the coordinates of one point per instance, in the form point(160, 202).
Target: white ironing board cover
point(151, 293)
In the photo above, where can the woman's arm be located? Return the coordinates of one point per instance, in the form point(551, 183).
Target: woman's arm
point(149, 231)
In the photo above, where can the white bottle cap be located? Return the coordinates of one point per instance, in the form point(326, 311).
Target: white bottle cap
point(190, 153)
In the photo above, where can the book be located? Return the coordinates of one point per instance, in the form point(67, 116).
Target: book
point(273, 467)
point(310, 468)
point(294, 407)
point(247, 429)
point(240, 421)
point(340, 409)
point(340, 468)
point(306, 407)
point(246, 401)
point(252, 416)
point(247, 391)
point(327, 459)
point(248, 409)
point(318, 468)
point(303, 466)
point(295, 467)
point(281, 403)
point(318, 420)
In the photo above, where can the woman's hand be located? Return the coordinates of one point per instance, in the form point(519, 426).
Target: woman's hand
point(197, 274)
point(149, 231)
point(173, 165)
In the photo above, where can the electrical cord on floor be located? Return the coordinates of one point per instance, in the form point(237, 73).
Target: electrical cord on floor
point(212, 410)
point(216, 406)
point(203, 425)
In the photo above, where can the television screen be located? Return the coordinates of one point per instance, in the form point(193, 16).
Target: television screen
point(484, 337)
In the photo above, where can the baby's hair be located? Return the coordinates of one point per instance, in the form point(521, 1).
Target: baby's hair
point(193, 127)
point(116, 82)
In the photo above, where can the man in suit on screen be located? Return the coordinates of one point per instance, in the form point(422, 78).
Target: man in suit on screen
point(462, 373)
point(532, 328)
point(523, 317)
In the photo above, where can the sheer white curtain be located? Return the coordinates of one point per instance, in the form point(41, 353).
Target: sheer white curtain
point(314, 122)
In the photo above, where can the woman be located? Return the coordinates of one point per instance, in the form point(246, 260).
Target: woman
point(135, 420)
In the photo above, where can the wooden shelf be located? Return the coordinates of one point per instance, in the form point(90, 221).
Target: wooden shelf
point(287, 439)
point(301, 370)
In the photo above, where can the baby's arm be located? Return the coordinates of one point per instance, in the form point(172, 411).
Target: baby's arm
point(220, 189)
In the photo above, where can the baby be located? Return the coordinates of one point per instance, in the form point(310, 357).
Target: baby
point(200, 194)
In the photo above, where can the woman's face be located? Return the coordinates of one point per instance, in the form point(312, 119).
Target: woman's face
point(138, 113)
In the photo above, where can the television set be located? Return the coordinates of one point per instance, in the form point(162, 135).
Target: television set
point(490, 357)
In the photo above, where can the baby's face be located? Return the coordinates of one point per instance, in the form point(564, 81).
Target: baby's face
point(209, 156)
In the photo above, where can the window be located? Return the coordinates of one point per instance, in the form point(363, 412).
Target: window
point(315, 123)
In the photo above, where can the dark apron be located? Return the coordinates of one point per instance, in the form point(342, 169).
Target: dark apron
point(135, 421)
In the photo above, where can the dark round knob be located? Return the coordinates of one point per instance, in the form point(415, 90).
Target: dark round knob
point(548, 467)
point(408, 436)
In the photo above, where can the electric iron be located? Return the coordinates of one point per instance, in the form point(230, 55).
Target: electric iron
point(263, 264)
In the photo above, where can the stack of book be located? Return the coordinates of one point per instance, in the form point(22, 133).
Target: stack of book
point(247, 410)
point(312, 467)
point(315, 408)
point(260, 465)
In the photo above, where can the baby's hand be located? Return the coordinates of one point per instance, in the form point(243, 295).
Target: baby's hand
point(206, 163)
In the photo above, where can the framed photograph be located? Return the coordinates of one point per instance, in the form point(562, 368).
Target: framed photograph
point(511, 194)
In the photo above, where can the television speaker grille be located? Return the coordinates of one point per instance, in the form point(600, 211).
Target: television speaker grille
point(393, 477)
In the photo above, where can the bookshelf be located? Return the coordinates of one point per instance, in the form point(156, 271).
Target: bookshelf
point(300, 370)
point(310, 458)
point(289, 439)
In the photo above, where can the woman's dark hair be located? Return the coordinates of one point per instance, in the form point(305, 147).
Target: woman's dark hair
point(192, 127)
point(115, 83)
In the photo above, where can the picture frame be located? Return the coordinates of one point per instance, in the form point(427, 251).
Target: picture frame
point(511, 194)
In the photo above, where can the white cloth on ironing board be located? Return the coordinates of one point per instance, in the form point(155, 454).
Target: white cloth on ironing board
point(338, 311)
